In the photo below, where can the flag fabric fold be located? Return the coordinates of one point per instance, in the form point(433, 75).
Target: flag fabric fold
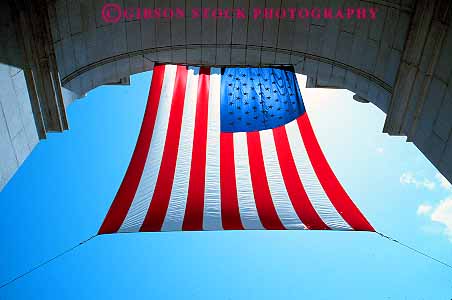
point(228, 149)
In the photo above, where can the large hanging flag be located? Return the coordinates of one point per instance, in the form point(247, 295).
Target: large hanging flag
point(224, 149)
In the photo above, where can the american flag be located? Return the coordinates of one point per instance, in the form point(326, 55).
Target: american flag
point(228, 149)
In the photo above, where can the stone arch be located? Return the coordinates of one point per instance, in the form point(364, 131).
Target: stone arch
point(362, 56)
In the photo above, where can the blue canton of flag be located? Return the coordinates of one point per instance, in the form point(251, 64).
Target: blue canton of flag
point(254, 99)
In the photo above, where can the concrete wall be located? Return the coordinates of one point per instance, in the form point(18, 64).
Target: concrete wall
point(11, 53)
point(431, 130)
point(421, 104)
point(18, 134)
point(22, 90)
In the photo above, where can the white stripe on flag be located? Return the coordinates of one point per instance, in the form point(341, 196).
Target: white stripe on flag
point(281, 200)
point(247, 205)
point(178, 199)
point(212, 195)
point(311, 183)
point(141, 201)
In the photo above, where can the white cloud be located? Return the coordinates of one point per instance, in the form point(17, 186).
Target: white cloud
point(380, 150)
point(428, 184)
point(409, 178)
point(424, 209)
point(440, 214)
point(443, 214)
point(443, 182)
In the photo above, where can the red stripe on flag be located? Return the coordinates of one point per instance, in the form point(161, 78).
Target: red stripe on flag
point(334, 190)
point(230, 213)
point(297, 194)
point(194, 211)
point(160, 199)
point(264, 203)
point(126, 193)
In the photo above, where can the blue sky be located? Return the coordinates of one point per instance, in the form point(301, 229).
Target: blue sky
point(62, 192)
